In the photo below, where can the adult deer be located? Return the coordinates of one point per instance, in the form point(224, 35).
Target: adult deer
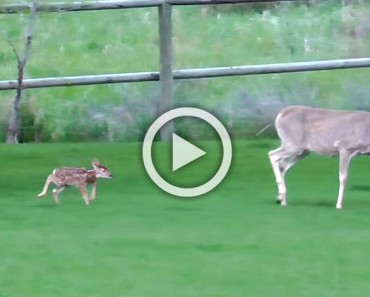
point(326, 132)
point(78, 177)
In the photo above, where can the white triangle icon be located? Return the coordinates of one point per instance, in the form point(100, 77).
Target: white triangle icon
point(183, 152)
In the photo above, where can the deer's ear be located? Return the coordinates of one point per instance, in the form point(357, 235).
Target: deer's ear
point(95, 162)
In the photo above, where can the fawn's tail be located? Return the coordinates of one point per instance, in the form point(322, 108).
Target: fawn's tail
point(49, 180)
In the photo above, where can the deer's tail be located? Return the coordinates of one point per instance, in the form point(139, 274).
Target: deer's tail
point(264, 129)
point(48, 181)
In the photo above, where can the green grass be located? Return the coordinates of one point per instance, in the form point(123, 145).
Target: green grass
point(136, 240)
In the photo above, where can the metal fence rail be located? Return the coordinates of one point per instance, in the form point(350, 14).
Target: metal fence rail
point(187, 73)
point(106, 5)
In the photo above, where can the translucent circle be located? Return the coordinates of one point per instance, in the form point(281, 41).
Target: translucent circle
point(187, 112)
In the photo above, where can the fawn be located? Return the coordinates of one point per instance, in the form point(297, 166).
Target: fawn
point(78, 177)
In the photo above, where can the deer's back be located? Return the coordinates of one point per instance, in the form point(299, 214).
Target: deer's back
point(324, 131)
point(73, 176)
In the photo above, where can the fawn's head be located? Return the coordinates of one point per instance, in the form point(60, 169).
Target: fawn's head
point(100, 170)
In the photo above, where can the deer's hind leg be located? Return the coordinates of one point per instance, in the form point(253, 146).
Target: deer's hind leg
point(49, 180)
point(282, 160)
point(275, 157)
point(56, 193)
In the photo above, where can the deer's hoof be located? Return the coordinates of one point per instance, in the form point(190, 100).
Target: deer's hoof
point(282, 202)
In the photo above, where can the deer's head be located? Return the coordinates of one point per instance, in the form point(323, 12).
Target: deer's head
point(100, 170)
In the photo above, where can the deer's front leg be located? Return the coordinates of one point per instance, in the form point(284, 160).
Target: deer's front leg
point(84, 194)
point(93, 191)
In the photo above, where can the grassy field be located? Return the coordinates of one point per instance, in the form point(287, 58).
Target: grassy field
point(137, 241)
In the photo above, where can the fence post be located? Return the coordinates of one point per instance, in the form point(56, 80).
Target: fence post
point(166, 59)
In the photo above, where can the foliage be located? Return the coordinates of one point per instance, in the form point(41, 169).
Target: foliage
point(127, 41)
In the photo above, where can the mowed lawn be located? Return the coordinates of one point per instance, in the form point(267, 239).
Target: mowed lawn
point(137, 241)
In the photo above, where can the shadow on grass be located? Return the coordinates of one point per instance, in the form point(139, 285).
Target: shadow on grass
point(314, 203)
point(360, 188)
point(44, 205)
point(354, 204)
point(266, 145)
point(303, 203)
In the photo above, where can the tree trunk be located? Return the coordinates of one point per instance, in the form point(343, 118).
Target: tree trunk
point(14, 122)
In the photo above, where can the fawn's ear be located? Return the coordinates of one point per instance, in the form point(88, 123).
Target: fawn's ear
point(95, 162)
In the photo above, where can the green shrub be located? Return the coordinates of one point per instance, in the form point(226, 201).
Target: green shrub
point(127, 41)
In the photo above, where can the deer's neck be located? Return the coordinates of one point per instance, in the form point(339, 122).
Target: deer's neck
point(90, 176)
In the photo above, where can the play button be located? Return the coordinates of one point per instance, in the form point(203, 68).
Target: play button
point(183, 152)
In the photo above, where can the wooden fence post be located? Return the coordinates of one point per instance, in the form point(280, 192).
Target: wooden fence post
point(166, 59)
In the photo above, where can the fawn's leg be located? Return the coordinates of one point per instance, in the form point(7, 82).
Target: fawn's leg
point(56, 193)
point(93, 191)
point(84, 194)
point(48, 181)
